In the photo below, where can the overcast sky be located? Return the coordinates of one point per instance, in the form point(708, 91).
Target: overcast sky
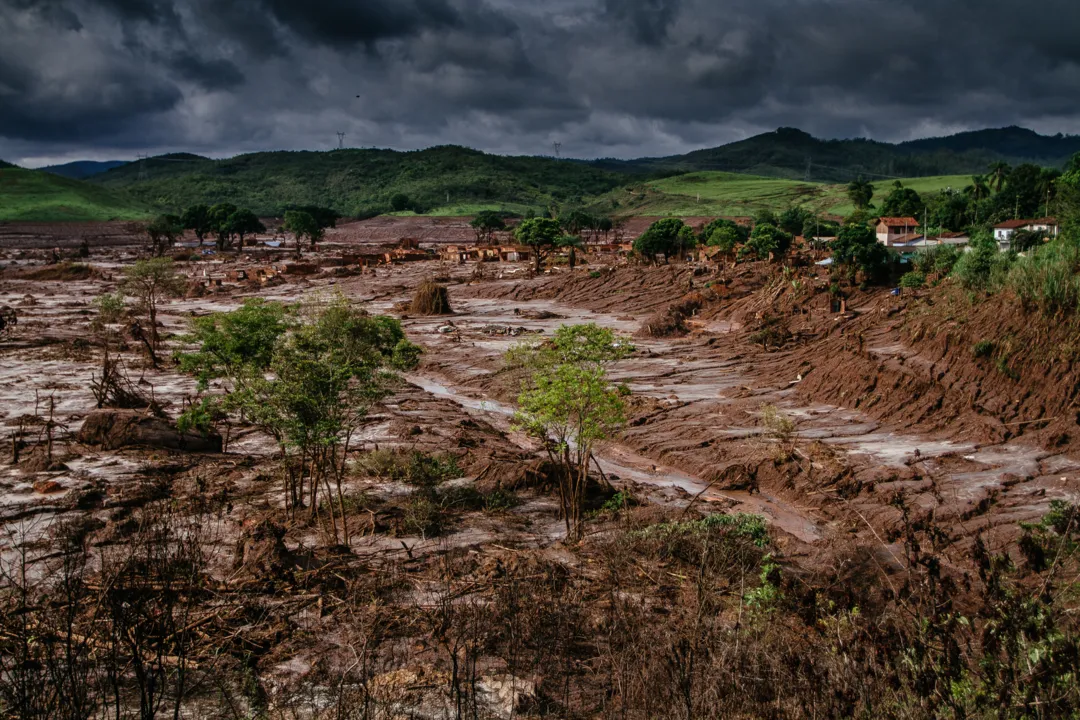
point(104, 79)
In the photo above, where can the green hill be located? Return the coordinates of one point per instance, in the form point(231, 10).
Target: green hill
point(731, 194)
point(792, 154)
point(5, 165)
point(361, 182)
point(33, 195)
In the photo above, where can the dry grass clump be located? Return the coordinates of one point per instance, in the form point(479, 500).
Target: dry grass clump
point(431, 298)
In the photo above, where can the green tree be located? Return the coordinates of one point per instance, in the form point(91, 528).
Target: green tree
point(576, 222)
point(857, 249)
point(794, 219)
point(328, 365)
point(742, 232)
point(399, 202)
point(220, 219)
point(999, 172)
point(861, 193)
point(486, 224)
point(903, 202)
point(150, 282)
point(237, 345)
point(765, 240)
point(303, 225)
point(569, 405)
point(540, 234)
point(163, 232)
point(197, 219)
point(662, 238)
point(244, 222)
point(727, 238)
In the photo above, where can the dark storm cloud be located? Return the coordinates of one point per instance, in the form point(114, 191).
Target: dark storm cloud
point(212, 74)
point(347, 22)
point(625, 77)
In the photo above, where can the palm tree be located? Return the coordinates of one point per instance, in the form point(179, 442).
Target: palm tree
point(977, 190)
point(861, 192)
point(998, 172)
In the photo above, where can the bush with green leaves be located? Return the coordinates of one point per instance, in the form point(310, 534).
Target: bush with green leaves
point(568, 404)
point(857, 250)
point(669, 237)
point(410, 467)
point(913, 280)
point(765, 240)
point(1047, 279)
point(307, 378)
point(937, 259)
point(983, 349)
point(983, 266)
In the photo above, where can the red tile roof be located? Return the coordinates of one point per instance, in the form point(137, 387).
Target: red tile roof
point(1012, 224)
point(898, 221)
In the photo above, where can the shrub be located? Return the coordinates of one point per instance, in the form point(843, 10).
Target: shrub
point(412, 468)
point(595, 274)
point(777, 424)
point(913, 280)
point(983, 349)
point(982, 267)
point(422, 515)
point(1047, 279)
point(939, 259)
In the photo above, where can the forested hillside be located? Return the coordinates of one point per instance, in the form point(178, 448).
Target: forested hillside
point(360, 182)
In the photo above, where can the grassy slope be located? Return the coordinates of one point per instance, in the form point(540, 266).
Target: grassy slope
point(355, 182)
point(33, 195)
point(734, 194)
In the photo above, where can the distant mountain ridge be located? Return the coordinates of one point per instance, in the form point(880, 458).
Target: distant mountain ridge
point(82, 169)
point(793, 154)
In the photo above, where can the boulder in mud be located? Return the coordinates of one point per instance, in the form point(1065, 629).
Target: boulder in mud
point(112, 429)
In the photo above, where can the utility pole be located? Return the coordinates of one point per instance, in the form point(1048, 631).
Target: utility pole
point(341, 141)
point(558, 147)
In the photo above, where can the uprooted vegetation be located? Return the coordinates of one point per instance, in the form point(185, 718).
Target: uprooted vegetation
point(431, 298)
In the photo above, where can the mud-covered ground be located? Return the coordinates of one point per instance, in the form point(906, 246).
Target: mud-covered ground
point(292, 614)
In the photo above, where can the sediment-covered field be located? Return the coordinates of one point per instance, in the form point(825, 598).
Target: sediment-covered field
point(807, 513)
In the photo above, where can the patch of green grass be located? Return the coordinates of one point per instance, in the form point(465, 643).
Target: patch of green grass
point(751, 527)
point(733, 194)
point(36, 196)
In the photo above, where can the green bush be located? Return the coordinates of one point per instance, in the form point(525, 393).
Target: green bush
point(1047, 279)
point(412, 468)
point(983, 349)
point(913, 280)
point(939, 259)
point(982, 267)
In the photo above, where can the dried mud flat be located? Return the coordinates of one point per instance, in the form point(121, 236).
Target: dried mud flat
point(293, 610)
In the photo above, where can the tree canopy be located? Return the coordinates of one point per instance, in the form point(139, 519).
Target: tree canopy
point(540, 234)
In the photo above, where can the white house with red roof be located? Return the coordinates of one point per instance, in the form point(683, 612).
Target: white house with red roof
point(1003, 232)
point(892, 229)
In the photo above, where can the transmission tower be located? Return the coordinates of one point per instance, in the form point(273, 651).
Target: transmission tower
point(558, 147)
point(340, 141)
point(142, 167)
